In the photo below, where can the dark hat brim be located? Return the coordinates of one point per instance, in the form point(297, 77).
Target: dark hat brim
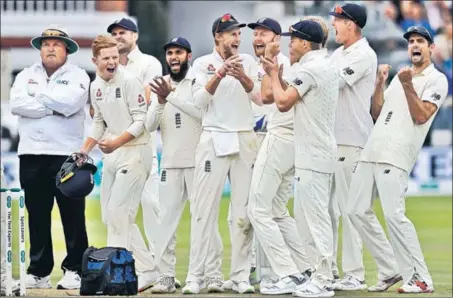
point(233, 26)
point(174, 44)
point(286, 34)
point(407, 35)
point(254, 25)
point(341, 16)
point(72, 46)
point(112, 26)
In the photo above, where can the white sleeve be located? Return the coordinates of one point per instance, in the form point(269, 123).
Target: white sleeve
point(154, 70)
point(436, 90)
point(355, 67)
point(135, 99)
point(23, 104)
point(67, 97)
point(303, 82)
point(200, 95)
point(184, 102)
point(154, 114)
point(98, 127)
point(255, 94)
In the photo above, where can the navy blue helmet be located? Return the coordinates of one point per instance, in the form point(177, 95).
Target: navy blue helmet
point(75, 178)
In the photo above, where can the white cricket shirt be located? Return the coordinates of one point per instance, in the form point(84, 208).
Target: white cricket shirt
point(357, 65)
point(396, 139)
point(229, 109)
point(121, 103)
point(146, 67)
point(34, 96)
point(317, 82)
point(180, 124)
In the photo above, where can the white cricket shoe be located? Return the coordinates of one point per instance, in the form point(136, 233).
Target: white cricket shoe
point(15, 286)
point(286, 285)
point(267, 282)
point(384, 285)
point(177, 283)
point(309, 289)
point(146, 280)
point(165, 285)
point(415, 285)
point(70, 281)
point(244, 287)
point(228, 285)
point(35, 282)
point(349, 283)
point(191, 288)
point(214, 285)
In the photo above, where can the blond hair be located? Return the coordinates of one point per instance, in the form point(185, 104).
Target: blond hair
point(102, 42)
point(323, 25)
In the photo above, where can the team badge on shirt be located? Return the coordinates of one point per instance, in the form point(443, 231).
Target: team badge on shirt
point(98, 94)
point(211, 69)
point(33, 82)
point(193, 81)
point(141, 100)
point(118, 92)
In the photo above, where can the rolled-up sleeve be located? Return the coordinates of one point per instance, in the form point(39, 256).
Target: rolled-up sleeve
point(200, 95)
point(21, 103)
point(135, 98)
point(68, 95)
point(98, 127)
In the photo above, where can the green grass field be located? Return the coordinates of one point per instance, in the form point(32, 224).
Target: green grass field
point(432, 217)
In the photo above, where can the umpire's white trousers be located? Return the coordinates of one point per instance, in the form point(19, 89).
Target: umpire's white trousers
point(3, 224)
point(125, 172)
point(270, 190)
point(175, 188)
point(352, 257)
point(313, 192)
point(391, 184)
point(150, 207)
point(209, 179)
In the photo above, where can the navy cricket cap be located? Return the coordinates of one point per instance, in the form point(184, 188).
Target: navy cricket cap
point(418, 30)
point(267, 23)
point(125, 23)
point(306, 30)
point(351, 11)
point(178, 42)
point(225, 23)
point(76, 181)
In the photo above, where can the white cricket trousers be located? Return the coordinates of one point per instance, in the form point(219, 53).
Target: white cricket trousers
point(352, 257)
point(209, 179)
point(175, 188)
point(3, 222)
point(313, 192)
point(270, 190)
point(150, 207)
point(125, 172)
point(391, 184)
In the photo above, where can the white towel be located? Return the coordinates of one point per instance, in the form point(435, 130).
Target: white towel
point(225, 143)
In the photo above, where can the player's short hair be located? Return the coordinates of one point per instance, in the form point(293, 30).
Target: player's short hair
point(102, 42)
point(323, 25)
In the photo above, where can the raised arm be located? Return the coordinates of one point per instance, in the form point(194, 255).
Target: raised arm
point(378, 97)
point(21, 103)
point(185, 103)
point(154, 114)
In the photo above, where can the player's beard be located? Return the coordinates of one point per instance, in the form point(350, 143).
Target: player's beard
point(181, 74)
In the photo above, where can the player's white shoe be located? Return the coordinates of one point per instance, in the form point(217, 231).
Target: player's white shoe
point(285, 285)
point(214, 285)
point(384, 285)
point(415, 285)
point(165, 284)
point(177, 283)
point(267, 282)
point(228, 285)
point(146, 280)
point(191, 288)
point(35, 282)
point(349, 283)
point(244, 287)
point(70, 281)
point(15, 286)
point(309, 289)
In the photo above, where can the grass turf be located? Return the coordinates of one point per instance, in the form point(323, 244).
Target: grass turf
point(432, 217)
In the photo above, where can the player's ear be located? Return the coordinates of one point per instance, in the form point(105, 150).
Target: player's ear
point(135, 36)
point(189, 56)
point(94, 60)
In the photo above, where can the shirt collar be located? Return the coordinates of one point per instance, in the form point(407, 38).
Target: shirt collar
point(61, 69)
point(311, 56)
point(430, 68)
point(190, 75)
point(217, 55)
point(134, 54)
point(115, 78)
point(355, 45)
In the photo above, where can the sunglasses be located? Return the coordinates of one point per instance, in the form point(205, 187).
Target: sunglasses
point(291, 30)
point(54, 32)
point(225, 19)
point(339, 10)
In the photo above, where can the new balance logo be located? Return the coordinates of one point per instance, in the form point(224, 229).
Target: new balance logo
point(297, 82)
point(207, 166)
point(386, 171)
point(348, 71)
point(163, 176)
point(342, 159)
point(435, 96)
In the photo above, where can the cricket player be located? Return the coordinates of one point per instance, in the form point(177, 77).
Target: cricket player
point(404, 113)
point(313, 93)
point(356, 62)
point(172, 108)
point(15, 283)
point(146, 67)
point(273, 176)
point(118, 99)
point(226, 83)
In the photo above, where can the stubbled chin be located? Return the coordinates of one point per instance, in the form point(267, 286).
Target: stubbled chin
point(259, 52)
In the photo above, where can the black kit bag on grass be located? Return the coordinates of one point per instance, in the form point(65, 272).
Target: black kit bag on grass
point(108, 271)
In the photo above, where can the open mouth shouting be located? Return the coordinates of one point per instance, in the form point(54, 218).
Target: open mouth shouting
point(416, 53)
point(175, 65)
point(235, 47)
point(260, 47)
point(111, 69)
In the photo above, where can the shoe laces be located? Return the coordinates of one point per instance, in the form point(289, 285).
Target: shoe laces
point(167, 280)
point(415, 278)
point(214, 280)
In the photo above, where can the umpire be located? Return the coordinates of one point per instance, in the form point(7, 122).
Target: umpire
point(49, 98)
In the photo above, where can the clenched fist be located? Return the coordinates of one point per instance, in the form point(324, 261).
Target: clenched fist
point(383, 73)
point(405, 74)
point(272, 49)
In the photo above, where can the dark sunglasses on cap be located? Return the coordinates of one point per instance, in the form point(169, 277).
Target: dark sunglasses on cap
point(53, 32)
point(291, 30)
point(225, 19)
point(339, 10)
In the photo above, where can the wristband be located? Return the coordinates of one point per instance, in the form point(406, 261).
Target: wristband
point(219, 75)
